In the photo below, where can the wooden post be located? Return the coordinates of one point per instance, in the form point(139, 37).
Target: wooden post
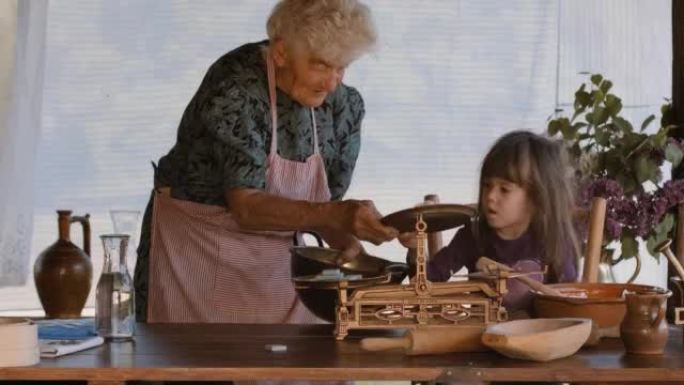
point(592, 256)
point(678, 106)
point(678, 119)
point(678, 72)
point(676, 300)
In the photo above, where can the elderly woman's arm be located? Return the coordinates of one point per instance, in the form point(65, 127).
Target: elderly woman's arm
point(256, 209)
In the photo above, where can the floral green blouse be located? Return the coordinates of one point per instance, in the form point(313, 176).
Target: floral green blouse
point(225, 134)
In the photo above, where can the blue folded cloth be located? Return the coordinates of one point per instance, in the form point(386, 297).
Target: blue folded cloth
point(66, 329)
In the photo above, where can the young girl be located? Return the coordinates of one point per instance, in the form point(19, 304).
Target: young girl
point(525, 217)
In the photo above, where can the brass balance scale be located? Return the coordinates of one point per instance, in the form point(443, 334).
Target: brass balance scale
point(371, 303)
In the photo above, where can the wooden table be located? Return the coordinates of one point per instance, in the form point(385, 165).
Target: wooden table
point(230, 351)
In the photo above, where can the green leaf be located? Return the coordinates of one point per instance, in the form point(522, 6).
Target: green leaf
point(627, 182)
point(600, 115)
point(598, 97)
point(579, 125)
point(631, 140)
point(553, 127)
point(660, 139)
point(612, 163)
point(596, 79)
point(668, 117)
point(673, 154)
point(605, 86)
point(630, 246)
point(665, 225)
point(602, 137)
point(613, 105)
point(582, 98)
point(653, 241)
point(623, 124)
point(590, 118)
point(568, 132)
point(647, 121)
point(645, 169)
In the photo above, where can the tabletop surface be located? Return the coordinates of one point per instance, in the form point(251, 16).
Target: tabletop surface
point(236, 351)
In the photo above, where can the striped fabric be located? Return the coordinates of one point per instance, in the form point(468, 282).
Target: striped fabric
point(204, 268)
point(282, 173)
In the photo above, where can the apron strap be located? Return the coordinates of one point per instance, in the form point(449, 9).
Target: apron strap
point(315, 132)
point(272, 99)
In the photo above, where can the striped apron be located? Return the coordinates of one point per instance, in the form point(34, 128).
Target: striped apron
point(205, 268)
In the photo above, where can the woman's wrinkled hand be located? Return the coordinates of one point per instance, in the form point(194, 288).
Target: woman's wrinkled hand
point(349, 246)
point(361, 219)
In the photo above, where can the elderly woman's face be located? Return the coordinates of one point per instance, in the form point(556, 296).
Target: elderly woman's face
point(307, 78)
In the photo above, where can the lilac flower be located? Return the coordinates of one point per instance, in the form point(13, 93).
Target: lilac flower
point(613, 228)
point(602, 187)
point(638, 213)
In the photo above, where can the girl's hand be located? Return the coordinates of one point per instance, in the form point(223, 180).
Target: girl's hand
point(408, 240)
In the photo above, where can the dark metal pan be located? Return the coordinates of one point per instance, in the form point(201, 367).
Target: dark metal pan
point(438, 217)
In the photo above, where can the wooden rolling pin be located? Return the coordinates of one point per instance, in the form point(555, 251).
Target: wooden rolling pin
point(451, 339)
point(664, 248)
point(485, 264)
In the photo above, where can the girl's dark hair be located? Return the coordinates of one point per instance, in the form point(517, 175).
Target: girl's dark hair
point(539, 165)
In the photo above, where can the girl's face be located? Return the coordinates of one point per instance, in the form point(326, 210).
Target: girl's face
point(507, 207)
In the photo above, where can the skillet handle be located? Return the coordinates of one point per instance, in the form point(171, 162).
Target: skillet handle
point(298, 236)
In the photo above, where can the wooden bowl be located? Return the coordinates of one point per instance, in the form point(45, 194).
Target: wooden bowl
point(603, 303)
point(541, 339)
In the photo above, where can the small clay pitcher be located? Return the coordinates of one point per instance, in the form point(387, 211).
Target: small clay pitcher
point(644, 328)
point(63, 273)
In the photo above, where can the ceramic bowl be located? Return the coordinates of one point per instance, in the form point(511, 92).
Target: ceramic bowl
point(603, 303)
point(541, 339)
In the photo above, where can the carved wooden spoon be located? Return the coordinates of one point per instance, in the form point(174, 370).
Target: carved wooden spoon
point(485, 264)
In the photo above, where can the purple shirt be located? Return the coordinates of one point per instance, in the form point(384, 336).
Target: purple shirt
point(522, 254)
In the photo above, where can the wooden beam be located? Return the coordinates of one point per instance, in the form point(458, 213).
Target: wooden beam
point(678, 71)
point(678, 118)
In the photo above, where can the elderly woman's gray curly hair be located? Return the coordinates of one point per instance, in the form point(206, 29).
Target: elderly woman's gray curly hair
point(338, 31)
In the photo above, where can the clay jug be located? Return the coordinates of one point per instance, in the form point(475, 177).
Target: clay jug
point(644, 328)
point(63, 272)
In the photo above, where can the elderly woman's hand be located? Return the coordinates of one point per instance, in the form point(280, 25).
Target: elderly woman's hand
point(408, 240)
point(348, 244)
point(361, 219)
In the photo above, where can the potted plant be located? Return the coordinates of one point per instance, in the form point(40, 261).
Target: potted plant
point(623, 164)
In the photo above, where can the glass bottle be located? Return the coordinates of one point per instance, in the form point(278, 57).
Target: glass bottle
point(126, 222)
point(114, 297)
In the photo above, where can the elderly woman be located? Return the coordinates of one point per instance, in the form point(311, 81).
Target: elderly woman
point(266, 146)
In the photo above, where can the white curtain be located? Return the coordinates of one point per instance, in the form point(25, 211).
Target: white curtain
point(22, 49)
point(453, 76)
point(449, 77)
